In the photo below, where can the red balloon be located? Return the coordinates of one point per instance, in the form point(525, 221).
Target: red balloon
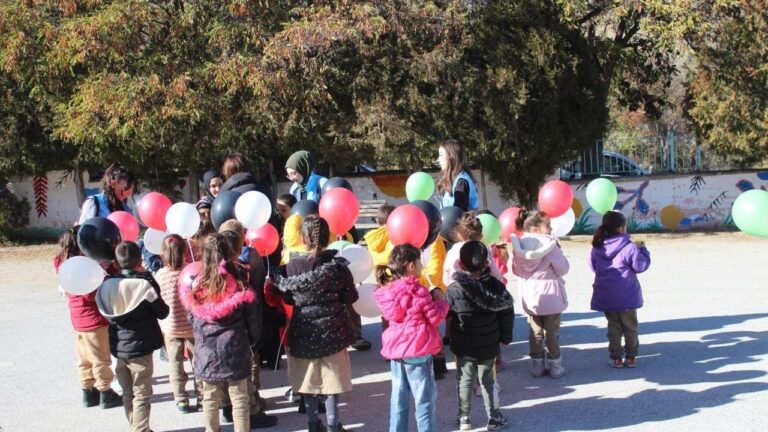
point(265, 239)
point(152, 209)
point(339, 207)
point(408, 224)
point(508, 219)
point(127, 224)
point(555, 198)
point(189, 273)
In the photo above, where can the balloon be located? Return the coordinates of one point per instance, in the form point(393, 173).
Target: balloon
point(508, 222)
point(98, 237)
point(360, 261)
point(750, 212)
point(433, 218)
point(339, 245)
point(420, 186)
point(407, 224)
point(153, 240)
point(601, 195)
point(189, 273)
point(450, 216)
point(491, 228)
point(182, 219)
point(555, 198)
point(366, 305)
point(339, 207)
point(265, 239)
point(253, 209)
point(127, 224)
point(335, 182)
point(152, 209)
point(305, 208)
point(223, 208)
point(80, 275)
point(563, 224)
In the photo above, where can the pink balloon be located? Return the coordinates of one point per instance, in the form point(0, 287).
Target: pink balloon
point(265, 239)
point(152, 209)
point(407, 224)
point(339, 207)
point(555, 198)
point(189, 272)
point(127, 224)
point(508, 221)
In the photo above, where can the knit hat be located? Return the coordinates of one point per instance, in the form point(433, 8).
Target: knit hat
point(205, 202)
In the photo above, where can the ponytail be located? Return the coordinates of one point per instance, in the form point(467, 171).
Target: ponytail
point(397, 267)
point(315, 233)
point(613, 221)
point(383, 275)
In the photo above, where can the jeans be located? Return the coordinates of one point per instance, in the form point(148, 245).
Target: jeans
point(419, 380)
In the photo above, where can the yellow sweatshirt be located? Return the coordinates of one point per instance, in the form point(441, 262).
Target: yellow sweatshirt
point(292, 237)
point(432, 275)
point(379, 245)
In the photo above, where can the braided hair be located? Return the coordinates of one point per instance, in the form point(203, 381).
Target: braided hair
point(315, 234)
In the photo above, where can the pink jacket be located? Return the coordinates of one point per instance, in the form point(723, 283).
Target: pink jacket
point(413, 319)
point(540, 264)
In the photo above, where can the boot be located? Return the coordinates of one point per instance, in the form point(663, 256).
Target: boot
point(261, 420)
point(337, 428)
point(556, 369)
point(317, 426)
point(90, 397)
point(538, 367)
point(110, 399)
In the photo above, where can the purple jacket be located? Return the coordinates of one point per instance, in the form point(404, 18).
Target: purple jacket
point(616, 265)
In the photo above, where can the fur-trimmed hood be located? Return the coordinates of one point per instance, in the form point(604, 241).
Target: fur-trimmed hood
point(120, 296)
point(486, 291)
point(214, 309)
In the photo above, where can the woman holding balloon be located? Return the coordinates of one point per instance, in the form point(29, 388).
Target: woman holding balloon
point(117, 185)
point(456, 183)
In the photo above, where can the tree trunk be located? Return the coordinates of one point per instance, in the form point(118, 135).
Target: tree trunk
point(77, 177)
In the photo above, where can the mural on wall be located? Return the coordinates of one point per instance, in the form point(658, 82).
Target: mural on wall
point(40, 186)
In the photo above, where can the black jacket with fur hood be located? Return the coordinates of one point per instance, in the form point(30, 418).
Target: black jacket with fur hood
point(482, 312)
point(320, 289)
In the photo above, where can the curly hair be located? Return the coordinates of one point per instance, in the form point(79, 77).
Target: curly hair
point(469, 227)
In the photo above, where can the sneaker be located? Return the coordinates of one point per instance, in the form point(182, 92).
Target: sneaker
point(361, 345)
point(261, 420)
point(537, 369)
point(617, 363)
point(497, 422)
point(110, 399)
point(464, 424)
point(91, 397)
point(631, 362)
point(183, 407)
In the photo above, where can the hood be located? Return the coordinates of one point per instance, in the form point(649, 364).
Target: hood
point(377, 239)
point(529, 250)
point(613, 245)
point(207, 177)
point(396, 298)
point(301, 162)
point(119, 296)
point(238, 180)
point(486, 291)
point(313, 271)
point(213, 309)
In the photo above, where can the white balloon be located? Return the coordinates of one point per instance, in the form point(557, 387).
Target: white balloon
point(80, 275)
point(366, 305)
point(253, 209)
point(563, 224)
point(153, 240)
point(182, 219)
point(360, 261)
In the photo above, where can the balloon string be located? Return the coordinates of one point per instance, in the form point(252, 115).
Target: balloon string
point(267, 258)
point(191, 252)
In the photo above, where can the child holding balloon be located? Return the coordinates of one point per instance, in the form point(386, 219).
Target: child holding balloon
point(616, 261)
point(540, 264)
point(412, 337)
point(92, 336)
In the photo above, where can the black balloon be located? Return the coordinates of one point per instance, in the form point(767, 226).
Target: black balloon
point(335, 182)
point(223, 208)
point(433, 217)
point(450, 216)
point(98, 237)
point(305, 208)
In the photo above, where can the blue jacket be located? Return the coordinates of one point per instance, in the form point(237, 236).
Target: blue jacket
point(313, 188)
point(448, 198)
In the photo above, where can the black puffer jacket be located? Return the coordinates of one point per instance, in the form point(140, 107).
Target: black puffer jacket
point(483, 314)
point(320, 290)
point(245, 182)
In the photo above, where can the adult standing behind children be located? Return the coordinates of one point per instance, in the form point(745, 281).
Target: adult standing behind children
point(307, 184)
point(456, 184)
point(117, 185)
point(238, 176)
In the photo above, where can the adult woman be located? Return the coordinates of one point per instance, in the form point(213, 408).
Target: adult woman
point(117, 185)
point(456, 183)
point(239, 178)
point(307, 184)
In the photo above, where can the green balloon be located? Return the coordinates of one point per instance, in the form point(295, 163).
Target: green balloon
point(420, 186)
point(339, 245)
point(750, 212)
point(491, 228)
point(601, 195)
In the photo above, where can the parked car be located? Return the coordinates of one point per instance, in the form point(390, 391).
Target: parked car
point(614, 165)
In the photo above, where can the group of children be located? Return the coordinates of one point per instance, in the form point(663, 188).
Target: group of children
point(214, 318)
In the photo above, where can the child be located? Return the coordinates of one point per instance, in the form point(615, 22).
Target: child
point(284, 204)
point(482, 313)
point(91, 329)
point(225, 323)
point(411, 338)
point(540, 264)
point(132, 304)
point(176, 328)
point(616, 262)
point(377, 240)
point(320, 287)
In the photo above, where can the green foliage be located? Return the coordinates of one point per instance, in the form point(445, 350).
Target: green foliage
point(14, 212)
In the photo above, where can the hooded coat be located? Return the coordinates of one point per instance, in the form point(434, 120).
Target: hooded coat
point(207, 177)
point(483, 314)
point(378, 244)
point(243, 182)
point(413, 319)
point(616, 265)
point(540, 264)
